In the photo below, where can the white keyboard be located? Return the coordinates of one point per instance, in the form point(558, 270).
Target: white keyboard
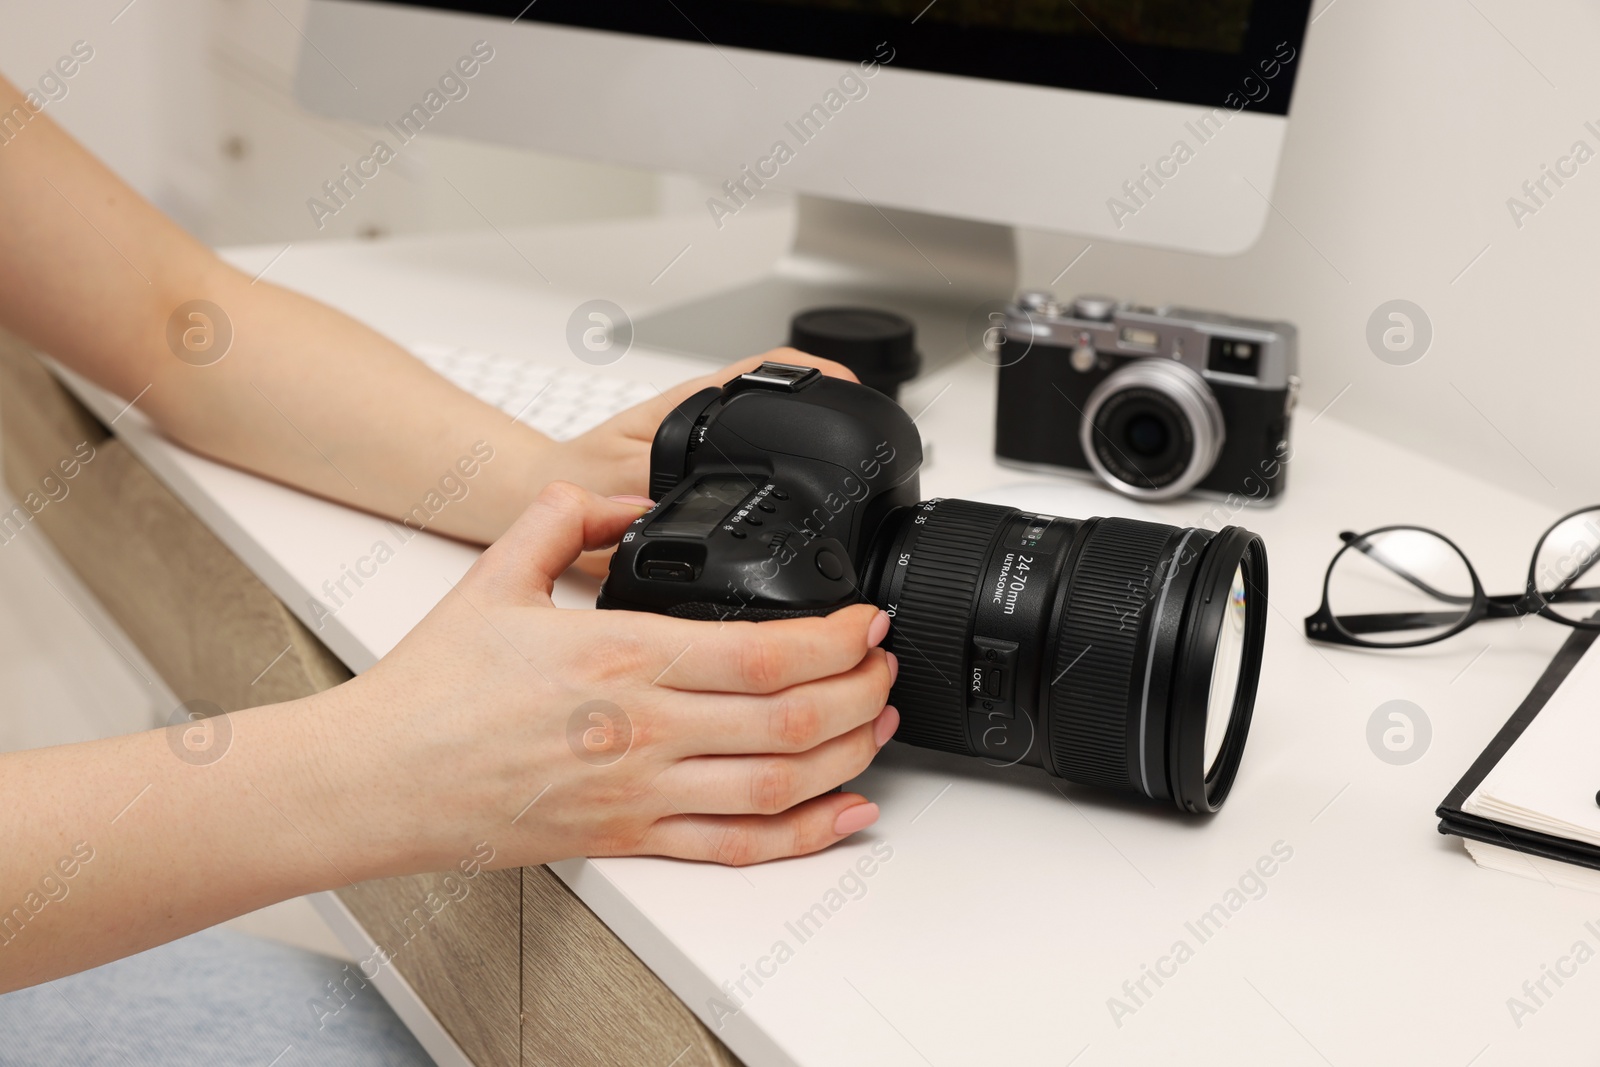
point(559, 402)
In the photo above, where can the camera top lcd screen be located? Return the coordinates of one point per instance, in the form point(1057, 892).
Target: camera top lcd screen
point(697, 512)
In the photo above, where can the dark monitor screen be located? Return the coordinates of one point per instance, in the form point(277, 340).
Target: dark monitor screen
point(1214, 25)
point(1219, 53)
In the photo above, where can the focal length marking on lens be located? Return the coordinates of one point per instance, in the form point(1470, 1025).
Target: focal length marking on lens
point(1008, 586)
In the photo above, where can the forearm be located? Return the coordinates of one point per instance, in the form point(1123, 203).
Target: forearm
point(92, 274)
point(314, 399)
point(115, 846)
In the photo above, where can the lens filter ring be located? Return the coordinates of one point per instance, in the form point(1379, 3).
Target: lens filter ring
point(1198, 786)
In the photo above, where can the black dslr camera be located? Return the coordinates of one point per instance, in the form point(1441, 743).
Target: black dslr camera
point(1155, 401)
point(1106, 651)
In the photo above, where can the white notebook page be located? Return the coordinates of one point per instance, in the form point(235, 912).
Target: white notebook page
point(1548, 780)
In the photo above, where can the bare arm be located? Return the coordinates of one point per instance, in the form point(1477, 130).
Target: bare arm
point(91, 274)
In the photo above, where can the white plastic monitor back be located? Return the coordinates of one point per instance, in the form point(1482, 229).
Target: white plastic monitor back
point(1178, 175)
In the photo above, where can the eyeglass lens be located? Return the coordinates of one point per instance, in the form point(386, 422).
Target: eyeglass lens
point(1566, 569)
point(1402, 585)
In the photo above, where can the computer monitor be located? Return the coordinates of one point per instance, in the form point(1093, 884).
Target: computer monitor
point(918, 133)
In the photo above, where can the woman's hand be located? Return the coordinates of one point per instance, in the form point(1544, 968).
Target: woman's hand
point(500, 719)
point(552, 733)
point(614, 457)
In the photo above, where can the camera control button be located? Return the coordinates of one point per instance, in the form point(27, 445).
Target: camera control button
point(751, 520)
point(778, 494)
point(739, 534)
point(768, 508)
point(829, 565)
point(669, 570)
point(988, 692)
point(1040, 300)
point(1098, 308)
point(993, 677)
point(994, 652)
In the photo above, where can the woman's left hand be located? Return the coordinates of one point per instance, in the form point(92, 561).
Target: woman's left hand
point(613, 459)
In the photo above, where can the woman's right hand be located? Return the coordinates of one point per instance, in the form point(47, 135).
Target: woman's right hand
point(553, 733)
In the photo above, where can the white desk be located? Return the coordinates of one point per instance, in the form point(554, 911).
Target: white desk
point(1010, 913)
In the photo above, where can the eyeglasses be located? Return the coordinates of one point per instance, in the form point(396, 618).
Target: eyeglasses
point(1403, 586)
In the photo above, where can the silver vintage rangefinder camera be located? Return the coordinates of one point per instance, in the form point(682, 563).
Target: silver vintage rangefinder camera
point(1157, 402)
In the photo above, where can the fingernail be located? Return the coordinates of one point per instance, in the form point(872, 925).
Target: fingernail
point(636, 501)
point(878, 630)
point(887, 722)
point(857, 818)
point(894, 666)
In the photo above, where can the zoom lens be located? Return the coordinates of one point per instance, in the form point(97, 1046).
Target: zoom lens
point(1108, 651)
point(1152, 429)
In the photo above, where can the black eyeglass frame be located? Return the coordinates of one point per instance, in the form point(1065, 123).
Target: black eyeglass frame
point(1322, 625)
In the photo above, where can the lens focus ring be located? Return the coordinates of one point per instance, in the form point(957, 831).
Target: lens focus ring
point(1096, 674)
point(933, 618)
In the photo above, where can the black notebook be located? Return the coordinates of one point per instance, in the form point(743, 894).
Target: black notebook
point(1530, 798)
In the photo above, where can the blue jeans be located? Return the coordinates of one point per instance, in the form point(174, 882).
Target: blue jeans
point(213, 999)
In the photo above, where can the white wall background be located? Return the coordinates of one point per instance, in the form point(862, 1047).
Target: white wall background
point(1413, 122)
point(190, 101)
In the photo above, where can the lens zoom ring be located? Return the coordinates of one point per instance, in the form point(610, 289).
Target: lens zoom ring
point(1095, 675)
point(933, 618)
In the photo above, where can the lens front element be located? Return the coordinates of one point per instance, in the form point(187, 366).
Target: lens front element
point(1225, 669)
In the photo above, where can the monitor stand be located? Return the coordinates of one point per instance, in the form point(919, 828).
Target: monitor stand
point(944, 274)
